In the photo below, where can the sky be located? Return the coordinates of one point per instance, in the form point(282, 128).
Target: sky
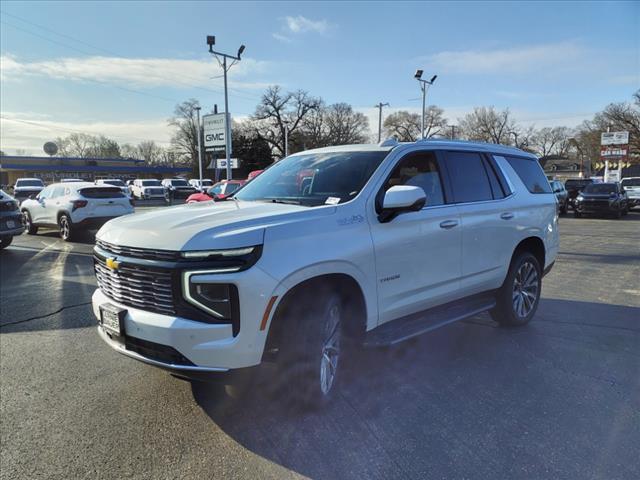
point(119, 68)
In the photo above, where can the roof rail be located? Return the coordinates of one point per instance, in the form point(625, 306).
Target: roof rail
point(389, 142)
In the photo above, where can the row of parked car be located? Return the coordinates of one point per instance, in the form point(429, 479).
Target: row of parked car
point(73, 205)
point(590, 196)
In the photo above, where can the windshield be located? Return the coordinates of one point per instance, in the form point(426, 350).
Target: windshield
point(207, 183)
point(29, 183)
point(600, 188)
point(151, 183)
point(314, 179)
point(179, 183)
point(631, 182)
point(115, 183)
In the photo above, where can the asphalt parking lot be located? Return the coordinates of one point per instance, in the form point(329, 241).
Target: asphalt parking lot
point(558, 399)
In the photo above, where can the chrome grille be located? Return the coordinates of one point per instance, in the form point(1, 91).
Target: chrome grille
point(135, 252)
point(148, 289)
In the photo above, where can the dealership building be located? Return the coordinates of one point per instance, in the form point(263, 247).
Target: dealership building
point(52, 169)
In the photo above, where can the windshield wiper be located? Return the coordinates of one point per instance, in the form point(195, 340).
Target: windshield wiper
point(284, 200)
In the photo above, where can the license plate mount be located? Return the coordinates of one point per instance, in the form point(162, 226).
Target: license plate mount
point(112, 319)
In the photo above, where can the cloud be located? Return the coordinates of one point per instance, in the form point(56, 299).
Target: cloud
point(282, 38)
point(302, 24)
point(519, 60)
point(29, 131)
point(147, 72)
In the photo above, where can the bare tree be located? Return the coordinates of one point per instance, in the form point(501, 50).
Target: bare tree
point(185, 137)
point(405, 126)
point(402, 125)
point(149, 152)
point(551, 141)
point(278, 110)
point(337, 124)
point(485, 124)
point(74, 145)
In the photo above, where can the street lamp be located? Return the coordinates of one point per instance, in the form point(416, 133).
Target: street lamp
point(211, 41)
point(199, 145)
point(424, 86)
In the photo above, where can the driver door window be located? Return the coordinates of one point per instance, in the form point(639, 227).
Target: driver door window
point(419, 169)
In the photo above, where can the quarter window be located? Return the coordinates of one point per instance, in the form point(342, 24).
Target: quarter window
point(531, 174)
point(419, 169)
point(469, 178)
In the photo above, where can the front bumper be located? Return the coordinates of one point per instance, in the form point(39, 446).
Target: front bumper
point(18, 225)
point(207, 347)
point(596, 208)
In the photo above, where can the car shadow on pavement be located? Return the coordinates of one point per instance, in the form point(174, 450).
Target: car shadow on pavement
point(470, 400)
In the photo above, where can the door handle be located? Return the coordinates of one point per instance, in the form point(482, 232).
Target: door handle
point(506, 216)
point(447, 224)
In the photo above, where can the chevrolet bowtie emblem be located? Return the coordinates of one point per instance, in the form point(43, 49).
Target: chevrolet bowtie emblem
point(112, 264)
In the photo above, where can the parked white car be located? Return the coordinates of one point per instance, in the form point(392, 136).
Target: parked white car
point(631, 185)
point(25, 187)
point(147, 189)
point(114, 182)
point(206, 183)
point(368, 244)
point(75, 206)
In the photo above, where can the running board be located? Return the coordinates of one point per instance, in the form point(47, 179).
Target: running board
point(410, 326)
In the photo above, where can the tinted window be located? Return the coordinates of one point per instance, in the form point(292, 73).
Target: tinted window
point(469, 178)
point(101, 193)
point(531, 174)
point(29, 183)
point(216, 189)
point(179, 183)
point(231, 187)
point(496, 187)
point(419, 169)
point(631, 182)
point(151, 183)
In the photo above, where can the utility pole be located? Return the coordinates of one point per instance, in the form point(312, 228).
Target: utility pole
point(453, 132)
point(211, 41)
point(379, 107)
point(286, 139)
point(199, 146)
point(424, 86)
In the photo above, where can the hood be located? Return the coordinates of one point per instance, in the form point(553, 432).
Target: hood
point(204, 225)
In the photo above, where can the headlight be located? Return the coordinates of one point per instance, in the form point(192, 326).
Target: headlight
point(214, 298)
point(579, 198)
point(235, 252)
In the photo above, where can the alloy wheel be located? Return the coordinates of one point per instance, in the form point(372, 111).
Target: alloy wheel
point(525, 289)
point(330, 350)
point(64, 228)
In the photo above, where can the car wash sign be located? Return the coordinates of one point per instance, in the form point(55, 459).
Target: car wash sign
point(215, 131)
point(614, 145)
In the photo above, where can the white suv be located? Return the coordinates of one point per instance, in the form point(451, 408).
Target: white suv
point(74, 206)
point(631, 185)
point(366, 243)
point(144, 189)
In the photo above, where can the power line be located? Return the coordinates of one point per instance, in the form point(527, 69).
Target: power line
point(84, 52)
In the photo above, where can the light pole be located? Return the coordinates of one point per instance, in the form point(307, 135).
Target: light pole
point(286, 139)
point(211, 41)
point(424, 88)
point(515, 136)
point(199, 146)
point(379, 107)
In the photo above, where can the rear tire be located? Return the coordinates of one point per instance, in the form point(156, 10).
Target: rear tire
point(30, 227)
point(577, 214)
point(67, 230)
point(5, 242)
point(311, 348)
point(518, 298)
point(564, 208)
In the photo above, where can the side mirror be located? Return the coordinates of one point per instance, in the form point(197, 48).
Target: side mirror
point(33, 196)
point(401, 199)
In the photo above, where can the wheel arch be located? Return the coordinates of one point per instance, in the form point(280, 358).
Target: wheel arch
point(532, 244)
point(350, 291)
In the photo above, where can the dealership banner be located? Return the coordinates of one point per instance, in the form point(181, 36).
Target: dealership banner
point(215, 126)
point(614, 146)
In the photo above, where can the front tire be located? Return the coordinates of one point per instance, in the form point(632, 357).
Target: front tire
point(67, 230)
point(518, 298)
point(5, 242)
point(30, 227)
point(311, 350)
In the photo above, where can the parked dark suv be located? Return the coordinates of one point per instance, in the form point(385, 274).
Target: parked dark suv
point(602, 198)
point(561, 195)
point(574, 186)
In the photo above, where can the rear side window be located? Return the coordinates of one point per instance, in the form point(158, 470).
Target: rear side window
point(101, 193)
point(468, 176)
point(531, 174)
